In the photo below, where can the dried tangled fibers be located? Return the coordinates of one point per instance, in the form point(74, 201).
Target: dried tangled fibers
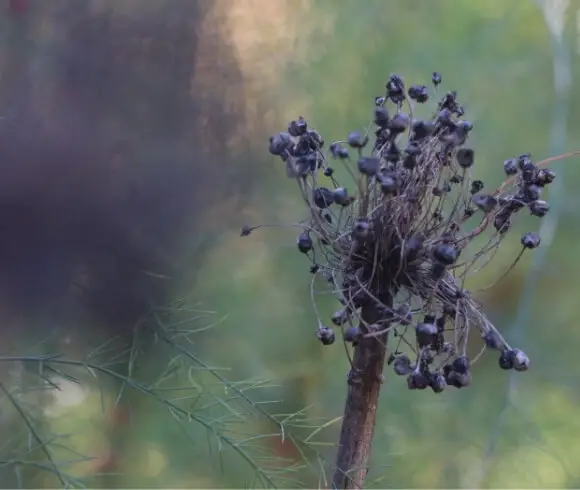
point(395, 244)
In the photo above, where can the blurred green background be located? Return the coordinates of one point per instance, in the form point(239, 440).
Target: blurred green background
point(133, 147)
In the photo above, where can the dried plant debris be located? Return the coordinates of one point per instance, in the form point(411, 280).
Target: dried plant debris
point(412, 222)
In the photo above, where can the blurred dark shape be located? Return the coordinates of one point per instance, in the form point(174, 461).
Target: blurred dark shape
point(18, 6)
point(107, 163)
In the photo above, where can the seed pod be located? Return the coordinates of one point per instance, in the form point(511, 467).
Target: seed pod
point(530, 240)
point(322, 197)
point(325, 335)
point(298, 128)
point(357, 140)
point(389, 184)
point(361, 229)
point(491, 340)
point(437, 382)
point(340, 196)
point(486, 203)
point(476, 186)
point(417, 381)
point(381, 117)
point(340, 317)
point(539, 208)
point(402, 365)
point(338, 151)
point(422, 129)
point(521, 362)
point(510, 166)
point(458, 380)
point(368, 166)
point(506, 360)
point(465, 157)
point(353, 335)
point(461, 364)
point(418, 93)
point(399, 123)
point(426, 334)
point(304, 242)
point(544, 177)
point(532, 192)
point(446, 253)
point(280, 143)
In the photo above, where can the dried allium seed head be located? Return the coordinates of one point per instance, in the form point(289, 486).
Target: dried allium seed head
point(404, 234)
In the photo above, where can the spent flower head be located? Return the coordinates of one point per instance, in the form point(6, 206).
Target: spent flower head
point(407, 229)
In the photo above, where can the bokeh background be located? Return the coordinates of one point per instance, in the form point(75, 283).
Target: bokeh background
point(143, 343)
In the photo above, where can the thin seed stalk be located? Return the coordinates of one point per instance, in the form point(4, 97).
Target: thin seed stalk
point(358, 423)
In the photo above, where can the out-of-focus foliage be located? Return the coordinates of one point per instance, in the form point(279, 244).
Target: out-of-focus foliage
point(133, 147)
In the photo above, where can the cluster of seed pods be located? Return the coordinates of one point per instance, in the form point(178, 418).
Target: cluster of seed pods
point(404, 234)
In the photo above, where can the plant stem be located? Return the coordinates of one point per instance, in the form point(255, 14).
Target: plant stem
point(358, 423)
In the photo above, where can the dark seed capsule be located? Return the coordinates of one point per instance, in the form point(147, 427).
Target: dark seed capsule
point(392, 154)
point(402, 365)
point(368, 166)
point(530, 240)
point(399, 123)
point(395, 89)
point(445, 253)
point(280, 143)
point(304, 242)
point(491, 340)
point(380, 101)
point(403, 314)
point(461, 364)
point(436, 78)
point(520, 360)
point(381, 117)
point(389, 184)
point(357, 140)
point(539, 208)
point(545, 176)
point(340, 196)
point(338, 151)
point(506, 360)
point(325, 335)
point(322, 197)
point(437, 382)
point(419, 93)
point(486, 203)
point(362, 229)
point(524, 160)
point(340, 317)
point(458, 380)
point(445, 118)
point(510, 166)
point(465, 157)
point(352, 334)
point(532, 192)
point(328, 171)
point(502, 221)
point(298, 128)
point(426, 334)
point(246, 230)
point(314, 268)
point(417, 381)
point(476, 186)
point(465, 126)
point(422, 129)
